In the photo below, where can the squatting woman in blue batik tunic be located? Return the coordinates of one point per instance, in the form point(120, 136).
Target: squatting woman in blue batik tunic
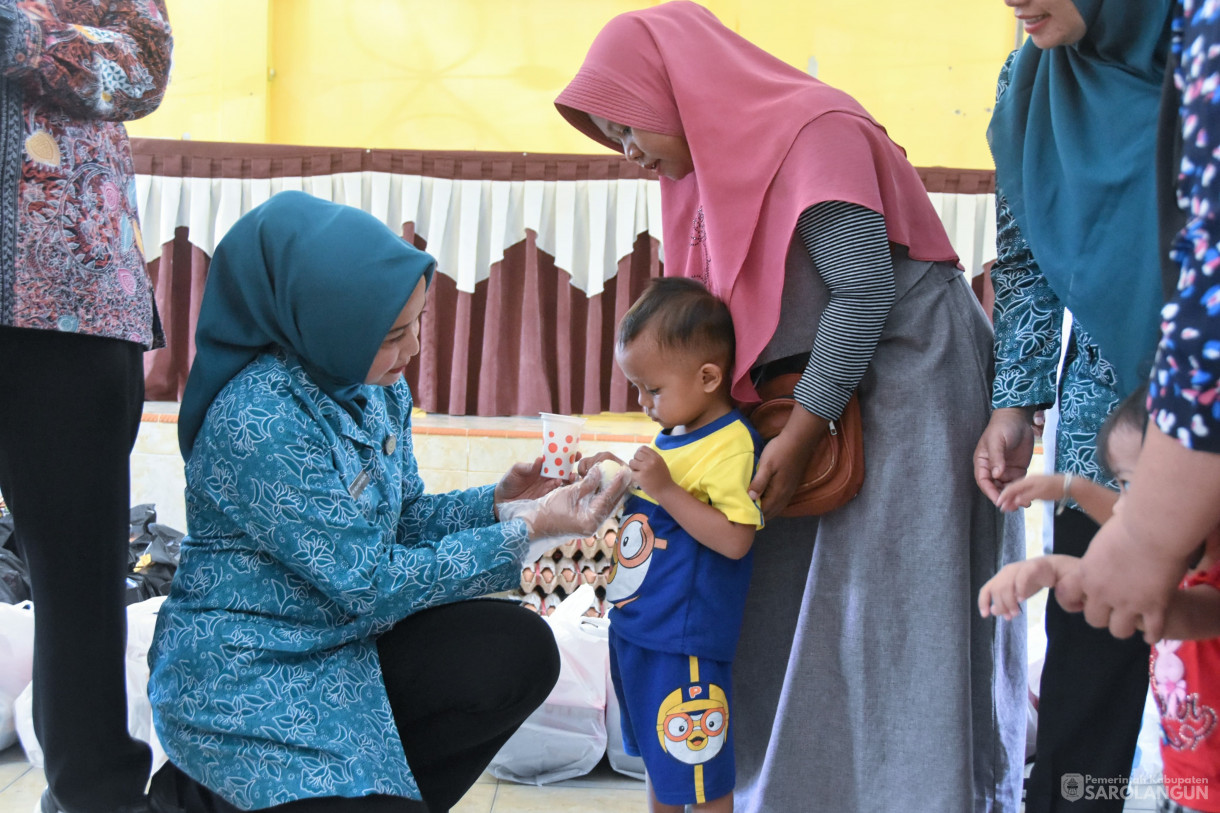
point(296, 657)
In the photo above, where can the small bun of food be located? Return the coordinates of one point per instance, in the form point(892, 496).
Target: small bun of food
point(609, 470)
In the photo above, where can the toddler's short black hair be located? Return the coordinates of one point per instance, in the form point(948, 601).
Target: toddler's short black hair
point(685, 316)
point(1131, 412)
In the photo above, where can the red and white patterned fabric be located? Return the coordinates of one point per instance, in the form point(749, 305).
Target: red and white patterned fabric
point(1184, 684)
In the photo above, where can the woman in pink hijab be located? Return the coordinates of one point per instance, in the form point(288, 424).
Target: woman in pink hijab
point(863, 680)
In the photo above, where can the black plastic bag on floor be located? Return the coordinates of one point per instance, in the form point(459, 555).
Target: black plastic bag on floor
point(160, 559)
point(14, 578)
point(153, 554)
point(141, 517)
point(14, 574)
point(139, 589)
point(8, 538)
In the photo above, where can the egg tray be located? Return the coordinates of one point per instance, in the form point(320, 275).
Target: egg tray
point(545, 603)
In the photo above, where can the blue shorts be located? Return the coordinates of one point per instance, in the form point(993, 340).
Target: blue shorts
point(675, 711)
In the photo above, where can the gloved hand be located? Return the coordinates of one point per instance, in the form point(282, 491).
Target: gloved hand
point(570, 511)
point(524, 481)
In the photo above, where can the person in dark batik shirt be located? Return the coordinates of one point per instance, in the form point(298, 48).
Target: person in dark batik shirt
point(76, 315)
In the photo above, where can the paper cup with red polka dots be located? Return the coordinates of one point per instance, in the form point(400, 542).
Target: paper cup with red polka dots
point(560, 444)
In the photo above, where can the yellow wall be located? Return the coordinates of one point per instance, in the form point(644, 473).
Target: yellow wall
point(218, 86)
point(481, 74)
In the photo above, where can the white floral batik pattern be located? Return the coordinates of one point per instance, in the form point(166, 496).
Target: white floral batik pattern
point(1028, 320)
point(266, 685)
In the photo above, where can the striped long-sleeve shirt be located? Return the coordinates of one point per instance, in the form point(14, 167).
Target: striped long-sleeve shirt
point(851, 251)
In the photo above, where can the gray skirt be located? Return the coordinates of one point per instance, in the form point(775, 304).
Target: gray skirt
point(865, 679)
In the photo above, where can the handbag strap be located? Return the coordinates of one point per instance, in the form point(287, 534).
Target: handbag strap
point(781, 386)
point(778, 367)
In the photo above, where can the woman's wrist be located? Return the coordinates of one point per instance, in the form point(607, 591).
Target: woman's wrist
point(1025, 413)
point(1062, 503)
point(805, 427)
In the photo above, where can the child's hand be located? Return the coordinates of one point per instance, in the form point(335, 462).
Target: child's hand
point(577, 509)
point(650, 471)
point(585, 463)
point(1022, 493)
point(1003, 593)
point(999, 595)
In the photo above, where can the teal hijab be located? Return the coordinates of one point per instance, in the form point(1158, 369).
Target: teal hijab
point(323, 281)
point(1074, 139)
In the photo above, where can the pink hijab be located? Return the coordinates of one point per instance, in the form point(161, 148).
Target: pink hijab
point(675, 69)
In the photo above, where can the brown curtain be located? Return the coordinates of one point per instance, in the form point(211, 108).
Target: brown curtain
point(177, 277)
point(526, 340)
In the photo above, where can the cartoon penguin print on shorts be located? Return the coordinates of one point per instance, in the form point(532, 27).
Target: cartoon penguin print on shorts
point(692, 723)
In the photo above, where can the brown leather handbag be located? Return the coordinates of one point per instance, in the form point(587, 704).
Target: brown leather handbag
point(836, 469)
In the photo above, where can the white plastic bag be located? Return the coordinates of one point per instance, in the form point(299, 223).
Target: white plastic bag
point(8, 720)
point(141, 619)
point(23, 712)
point(566, 736)
point(141, 622)
point(1148, 769)
point(16, 663)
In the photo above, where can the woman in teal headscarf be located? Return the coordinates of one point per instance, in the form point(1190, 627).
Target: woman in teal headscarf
point(296, 661)
point(1074, 141)
point(1074, 138)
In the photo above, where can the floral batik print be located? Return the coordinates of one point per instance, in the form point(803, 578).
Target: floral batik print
point(1028, 319)
point(72, 253)
point(310, 535)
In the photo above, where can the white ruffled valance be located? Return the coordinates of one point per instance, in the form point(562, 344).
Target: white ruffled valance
point(969, 220)
point(587, 225)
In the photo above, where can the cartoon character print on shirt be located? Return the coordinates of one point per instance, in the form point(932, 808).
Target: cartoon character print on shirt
point(632, 558)
point(1185, 722)
point(692, 723)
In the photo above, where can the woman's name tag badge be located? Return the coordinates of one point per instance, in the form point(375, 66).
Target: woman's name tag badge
point(359, 484)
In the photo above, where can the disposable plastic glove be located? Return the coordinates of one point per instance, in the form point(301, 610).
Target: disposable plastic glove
point(570, 511)
point(524, 481)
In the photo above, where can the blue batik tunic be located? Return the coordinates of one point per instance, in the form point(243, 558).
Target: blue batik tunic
point(309, 535)
point(1028, 332)
point(1028, 318)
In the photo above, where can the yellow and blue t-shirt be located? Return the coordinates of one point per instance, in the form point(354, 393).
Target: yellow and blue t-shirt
point(670, 593)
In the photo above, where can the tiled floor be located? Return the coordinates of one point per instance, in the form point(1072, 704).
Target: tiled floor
point(20, 785)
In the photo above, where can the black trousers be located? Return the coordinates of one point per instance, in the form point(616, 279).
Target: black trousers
point(1092, 700)
point(461, 679)
point(70, 408)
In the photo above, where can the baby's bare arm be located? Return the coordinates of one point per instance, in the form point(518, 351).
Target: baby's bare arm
point(1193, 614)
point(1003, 594)
point(1022, 493)
point(1093, 498)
